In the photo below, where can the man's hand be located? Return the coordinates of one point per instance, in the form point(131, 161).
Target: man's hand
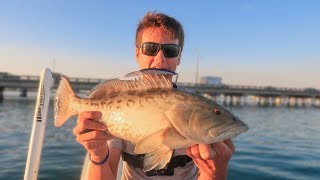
point(212, 160)
point(92, 134)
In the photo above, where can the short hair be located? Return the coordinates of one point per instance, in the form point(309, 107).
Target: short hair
point(163, 21)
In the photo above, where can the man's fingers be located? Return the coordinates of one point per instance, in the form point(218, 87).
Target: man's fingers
point(93, 135)
point(201, 151)
point(195, 151)
point(93, 115)
point(87, 125)
point(189, 153)
point(230, 144)
point(97, 147)
point(94, 125)
point(206, 152)
point(222, 150)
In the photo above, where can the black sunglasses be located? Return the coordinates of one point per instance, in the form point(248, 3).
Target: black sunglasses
point(152, 49)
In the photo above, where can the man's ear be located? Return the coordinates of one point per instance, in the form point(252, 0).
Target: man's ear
point(137, 54)
point(179, 59)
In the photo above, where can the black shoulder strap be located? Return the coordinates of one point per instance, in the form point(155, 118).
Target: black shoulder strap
point(134, 160)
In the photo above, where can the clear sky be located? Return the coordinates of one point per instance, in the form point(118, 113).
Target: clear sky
point(246, 42)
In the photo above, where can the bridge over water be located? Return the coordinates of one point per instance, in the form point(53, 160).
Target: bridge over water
point(224, 94)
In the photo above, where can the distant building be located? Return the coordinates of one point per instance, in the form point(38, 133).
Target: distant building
point(211, 80)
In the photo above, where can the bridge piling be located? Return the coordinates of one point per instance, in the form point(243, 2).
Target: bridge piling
point(23, 92)
point(1, 93)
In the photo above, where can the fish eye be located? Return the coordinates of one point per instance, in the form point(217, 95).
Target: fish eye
point(216, 111)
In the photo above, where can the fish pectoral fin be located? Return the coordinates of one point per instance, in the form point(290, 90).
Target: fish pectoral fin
point(157, 159)
point(157, 155)
point(150, 143)
point(175, 140)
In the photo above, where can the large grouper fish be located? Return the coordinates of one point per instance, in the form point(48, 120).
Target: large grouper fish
point(151, 114)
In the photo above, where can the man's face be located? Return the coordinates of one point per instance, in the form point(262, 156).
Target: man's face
point(158, 61)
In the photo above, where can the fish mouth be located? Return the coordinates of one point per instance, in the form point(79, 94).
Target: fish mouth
point(228, 131)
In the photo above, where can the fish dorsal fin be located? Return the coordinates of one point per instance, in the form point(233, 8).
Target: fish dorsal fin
point(139, 83)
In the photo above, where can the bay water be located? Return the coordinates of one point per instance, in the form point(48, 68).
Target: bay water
point(282, 143)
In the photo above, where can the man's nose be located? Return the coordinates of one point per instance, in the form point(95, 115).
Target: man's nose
point(160, 57)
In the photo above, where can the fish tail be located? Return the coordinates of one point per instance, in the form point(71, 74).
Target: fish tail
point(63, 102)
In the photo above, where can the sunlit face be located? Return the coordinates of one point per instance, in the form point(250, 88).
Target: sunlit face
point(157, 35)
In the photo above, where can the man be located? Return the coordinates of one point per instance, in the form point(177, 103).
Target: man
point(159, 42)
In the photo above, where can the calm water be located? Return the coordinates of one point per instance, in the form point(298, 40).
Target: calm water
point(282, 143)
